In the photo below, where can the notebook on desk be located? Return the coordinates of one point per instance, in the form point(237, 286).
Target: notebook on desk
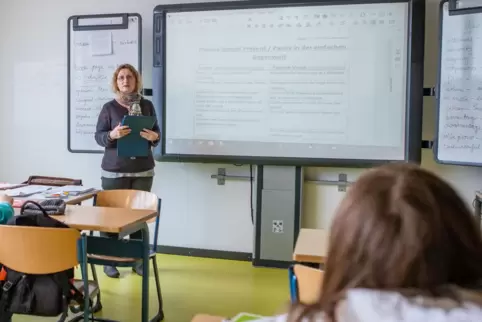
point(26, 191)
point(7, 186)
point(133, 144)
point(72, 190)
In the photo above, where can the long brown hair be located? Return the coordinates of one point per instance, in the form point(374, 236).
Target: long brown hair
point(399, 227)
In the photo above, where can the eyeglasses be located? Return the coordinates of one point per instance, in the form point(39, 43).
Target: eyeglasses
point(128, 77)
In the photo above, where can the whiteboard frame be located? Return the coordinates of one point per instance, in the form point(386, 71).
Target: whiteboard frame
point(438, 94)
point(454, 10)
point(76, 27)
point(414, 81)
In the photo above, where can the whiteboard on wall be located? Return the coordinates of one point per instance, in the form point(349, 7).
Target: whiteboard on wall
point(459, 89)
point(97, 45)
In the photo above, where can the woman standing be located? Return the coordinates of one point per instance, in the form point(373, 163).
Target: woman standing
point(124, 172)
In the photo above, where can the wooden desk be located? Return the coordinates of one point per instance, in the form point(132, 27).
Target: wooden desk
point(106, 219)
point(207, 318)
point(114, 220)
point(311, 246)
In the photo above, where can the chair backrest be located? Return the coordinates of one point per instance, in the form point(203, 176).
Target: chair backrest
point(53, 181)
point(305, 284)
point(38, 250)
point(131, 199)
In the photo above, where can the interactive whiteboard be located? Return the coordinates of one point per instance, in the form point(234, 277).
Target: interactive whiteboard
point(294, 82)
point(459, 113)
point(97, 45)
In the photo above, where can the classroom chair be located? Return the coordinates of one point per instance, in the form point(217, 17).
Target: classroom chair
point(40, 250)
point(52, 181)
point(305, 284)
point(132, 199)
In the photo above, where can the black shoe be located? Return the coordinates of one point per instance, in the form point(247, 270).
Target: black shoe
point(137, 268)
point(111, 271)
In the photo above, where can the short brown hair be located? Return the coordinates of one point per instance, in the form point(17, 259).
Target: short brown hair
point(399, 227)
point(134, 72)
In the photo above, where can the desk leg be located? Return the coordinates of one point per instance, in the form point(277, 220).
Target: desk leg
point(145, 274)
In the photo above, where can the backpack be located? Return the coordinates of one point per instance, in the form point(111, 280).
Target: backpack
point(40, 295)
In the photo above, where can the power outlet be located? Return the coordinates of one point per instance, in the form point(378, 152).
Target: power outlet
point(278, 226)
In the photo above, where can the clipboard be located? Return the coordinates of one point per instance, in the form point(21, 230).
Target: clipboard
point(133, 144)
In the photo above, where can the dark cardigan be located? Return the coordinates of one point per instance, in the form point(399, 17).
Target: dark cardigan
point(110, 116)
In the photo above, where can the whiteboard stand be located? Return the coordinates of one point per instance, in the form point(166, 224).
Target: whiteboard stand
point(458, 138)
point(278, 213)
point(97, 45)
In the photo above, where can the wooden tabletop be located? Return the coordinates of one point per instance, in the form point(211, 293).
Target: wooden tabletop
point(105, 219)
point(311, 246)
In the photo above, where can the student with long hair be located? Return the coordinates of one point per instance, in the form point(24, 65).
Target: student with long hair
point(403, 246)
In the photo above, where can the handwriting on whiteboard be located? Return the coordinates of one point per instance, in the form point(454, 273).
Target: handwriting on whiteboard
point(92, 90)
point(91, 79)
point(461, 87)
point(91, 93)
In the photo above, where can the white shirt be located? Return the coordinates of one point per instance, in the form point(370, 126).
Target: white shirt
point(363, 305)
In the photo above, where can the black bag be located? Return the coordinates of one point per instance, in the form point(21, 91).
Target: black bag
point(41, 295)
point(45, 207)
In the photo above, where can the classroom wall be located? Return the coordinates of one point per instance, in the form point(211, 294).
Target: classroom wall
point(196, 211)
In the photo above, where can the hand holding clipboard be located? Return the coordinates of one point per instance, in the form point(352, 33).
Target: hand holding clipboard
point(119, 132)
point(149, 135)
point(135, 143)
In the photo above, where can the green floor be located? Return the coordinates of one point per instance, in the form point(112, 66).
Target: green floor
point(194, 285)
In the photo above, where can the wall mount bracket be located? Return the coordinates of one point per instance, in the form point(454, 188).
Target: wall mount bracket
point(221, 176)
point(342, 183)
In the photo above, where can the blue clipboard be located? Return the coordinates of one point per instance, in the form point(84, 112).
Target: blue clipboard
point(133, 144)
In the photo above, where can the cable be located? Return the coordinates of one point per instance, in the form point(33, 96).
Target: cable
point(251, 181)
